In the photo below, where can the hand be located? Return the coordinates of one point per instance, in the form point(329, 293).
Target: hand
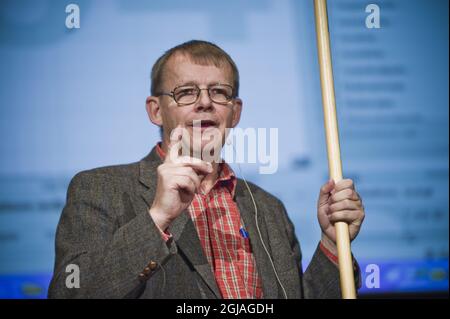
point(178, 181)
point(339, 203)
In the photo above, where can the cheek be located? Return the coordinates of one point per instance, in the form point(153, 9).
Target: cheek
point(226, 119)
point(172, 117)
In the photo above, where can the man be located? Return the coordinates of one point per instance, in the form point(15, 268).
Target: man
point(177, 226)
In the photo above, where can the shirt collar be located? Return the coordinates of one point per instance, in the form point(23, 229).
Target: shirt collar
point(227, 177)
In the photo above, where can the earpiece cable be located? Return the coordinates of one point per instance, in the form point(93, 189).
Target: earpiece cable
point(257, 226)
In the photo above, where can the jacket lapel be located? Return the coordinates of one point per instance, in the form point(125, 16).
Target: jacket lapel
point(263, 265)
point(182, 228)
point(186, 238)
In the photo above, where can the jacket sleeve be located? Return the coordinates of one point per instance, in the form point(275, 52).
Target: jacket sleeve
point(321, 278)
point(112, 261)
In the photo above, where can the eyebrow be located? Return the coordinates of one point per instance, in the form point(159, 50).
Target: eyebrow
point(196, 83)
point(188, 83)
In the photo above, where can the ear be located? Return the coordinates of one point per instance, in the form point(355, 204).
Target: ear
point(237, 109)
point(153, 107)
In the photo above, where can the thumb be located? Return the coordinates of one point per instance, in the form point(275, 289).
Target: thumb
point(325, 191)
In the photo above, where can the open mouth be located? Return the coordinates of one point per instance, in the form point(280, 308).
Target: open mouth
point(203, 124)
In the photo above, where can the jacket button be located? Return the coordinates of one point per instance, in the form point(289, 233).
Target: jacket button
point(142, 277)
point(152, 265)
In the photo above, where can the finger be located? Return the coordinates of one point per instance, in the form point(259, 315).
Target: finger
point(175, 144)
point(185, 183)
point(347, 216)
point(344, 184)
point(347, 193)
point(188, 172)
point(188, 160)
point(200, 167)
point(324, 193)
point(345, 204)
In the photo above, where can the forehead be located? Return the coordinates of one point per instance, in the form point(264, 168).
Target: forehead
point(181, 69)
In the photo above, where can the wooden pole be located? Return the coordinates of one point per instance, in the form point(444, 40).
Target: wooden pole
point(332, 136)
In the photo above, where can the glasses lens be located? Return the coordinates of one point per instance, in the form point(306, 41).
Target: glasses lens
point(186, 94)
point(221, 93)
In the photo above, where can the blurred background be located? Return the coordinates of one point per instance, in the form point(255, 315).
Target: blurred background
point(73, 99)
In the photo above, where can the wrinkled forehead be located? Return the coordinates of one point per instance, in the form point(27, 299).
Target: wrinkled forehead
point(184, 68)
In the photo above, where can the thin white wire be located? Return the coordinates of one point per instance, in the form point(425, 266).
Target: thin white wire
point(257, 228)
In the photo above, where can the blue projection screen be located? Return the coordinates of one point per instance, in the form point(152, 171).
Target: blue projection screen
point(73, 99)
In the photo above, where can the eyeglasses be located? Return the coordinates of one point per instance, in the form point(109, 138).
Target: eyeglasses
point(189, 94)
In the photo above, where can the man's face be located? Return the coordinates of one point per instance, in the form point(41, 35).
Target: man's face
point(163, 110)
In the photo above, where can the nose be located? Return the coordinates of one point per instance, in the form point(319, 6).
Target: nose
point(204, 101)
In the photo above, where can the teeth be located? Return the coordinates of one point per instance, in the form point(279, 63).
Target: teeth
point(203, 123)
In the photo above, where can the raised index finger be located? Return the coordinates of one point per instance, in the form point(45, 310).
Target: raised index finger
point(175, 144)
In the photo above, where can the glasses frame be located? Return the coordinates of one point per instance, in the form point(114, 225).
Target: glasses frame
point(172, 93)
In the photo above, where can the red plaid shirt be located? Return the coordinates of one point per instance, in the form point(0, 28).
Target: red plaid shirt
point(218, 222)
